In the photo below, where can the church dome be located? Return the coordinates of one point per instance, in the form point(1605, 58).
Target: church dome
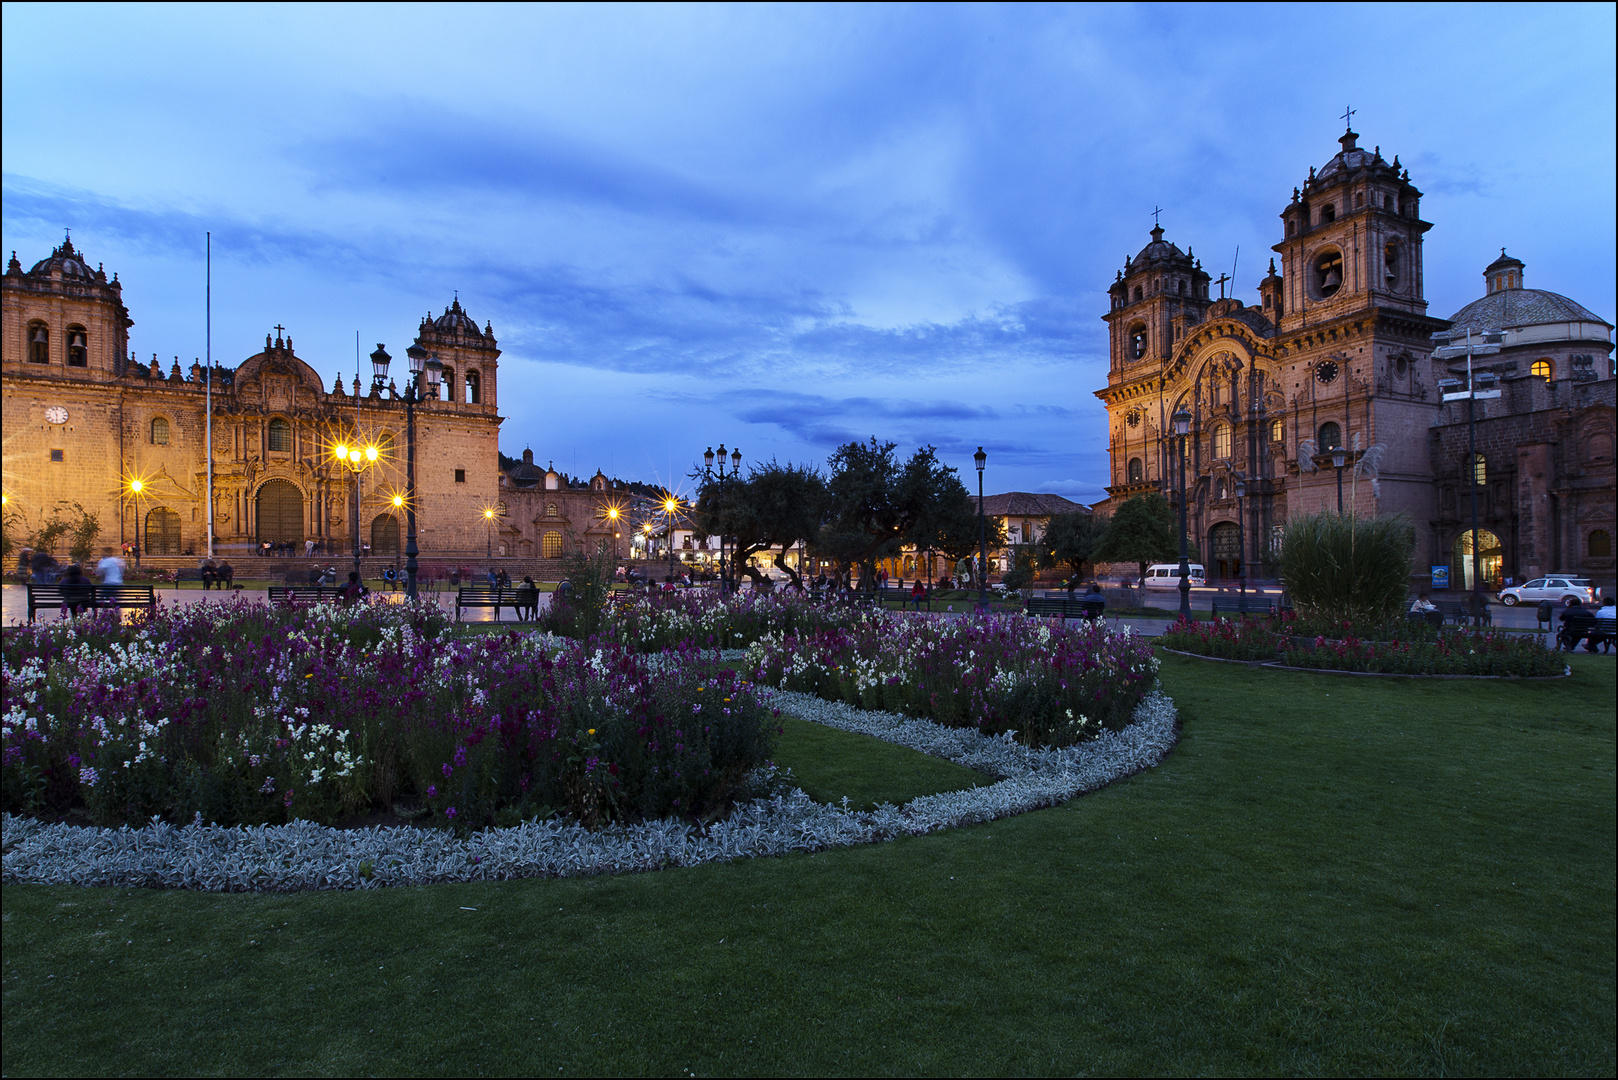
point(1506, 305)
point(1159, 250)
point(527, 474)
point(66, 259)
point(456, 321)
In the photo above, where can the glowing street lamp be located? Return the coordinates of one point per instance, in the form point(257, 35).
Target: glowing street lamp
point(135, 489)
point(356, 459)
point(488, 516)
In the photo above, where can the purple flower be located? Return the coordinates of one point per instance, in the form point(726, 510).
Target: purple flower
point(432, 791)
point(449, 812)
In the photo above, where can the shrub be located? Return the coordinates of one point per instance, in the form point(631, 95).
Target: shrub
point(1345, 568)
point(1454, 653)
point(1225, 639)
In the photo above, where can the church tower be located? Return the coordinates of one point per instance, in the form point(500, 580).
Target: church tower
point(1159, 292)
point(1352, 241)
point(469, 356)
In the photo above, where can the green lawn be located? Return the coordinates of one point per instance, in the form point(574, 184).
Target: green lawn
point(1330, 875)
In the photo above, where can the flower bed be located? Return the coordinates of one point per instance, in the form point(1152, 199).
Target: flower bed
point(302, 855)
point(1052, 685)
point(1455, 653)
point(703, 618)
point(1223, 639)
point(248, 714)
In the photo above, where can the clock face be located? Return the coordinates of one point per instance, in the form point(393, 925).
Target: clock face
point(56, 414)
point(1326, 371)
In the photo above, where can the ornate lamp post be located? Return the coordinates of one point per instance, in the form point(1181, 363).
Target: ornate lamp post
point(671, 507)
point(135, 488)
point(981, 459)
point(356, 459)
point(1480, 385)
point(425, 373)
point(1339, 457)
point(1241, 534)
point(1182, 425)
point(735, 468)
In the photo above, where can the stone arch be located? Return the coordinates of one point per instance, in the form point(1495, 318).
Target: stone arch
point(1490, 560)
point(1225, 550)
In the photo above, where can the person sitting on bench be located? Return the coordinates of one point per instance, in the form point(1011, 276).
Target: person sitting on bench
point(1578, 624)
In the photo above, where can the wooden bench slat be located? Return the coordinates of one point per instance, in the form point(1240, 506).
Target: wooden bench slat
point(89, 595)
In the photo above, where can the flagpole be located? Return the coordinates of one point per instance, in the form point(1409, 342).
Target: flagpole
point(208, 355)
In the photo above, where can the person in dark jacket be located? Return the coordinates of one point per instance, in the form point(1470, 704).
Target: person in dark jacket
point(1578, 624)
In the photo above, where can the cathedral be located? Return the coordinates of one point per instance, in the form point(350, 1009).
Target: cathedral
point(86, 422)
point(1330, 393)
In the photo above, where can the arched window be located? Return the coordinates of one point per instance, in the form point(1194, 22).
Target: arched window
point(1278, 430)
point(39, 343)
point(1137, 341)
point(474, 388)
point(1136, 470)
point(1480, 469)
point(550, 510)
point(160, 431)
point(1600, 544)
point(1330, 437)
point(1543, 369)
point(1328, 273)
point(280, 435)
point(551, 545)
point(449, 384)
point(1221, 441)
point(78, 347)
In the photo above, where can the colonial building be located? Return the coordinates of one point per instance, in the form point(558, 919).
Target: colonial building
point(544, 514)
point(1339, 355)
point(85, 420)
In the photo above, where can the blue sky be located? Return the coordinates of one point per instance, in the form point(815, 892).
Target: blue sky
point(777, 227)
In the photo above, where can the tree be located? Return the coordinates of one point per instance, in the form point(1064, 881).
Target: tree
point(83, 528)
point(870, 494)
point(775, 508)
point(1141, 531)
point(1071, 540)
point(956, 533)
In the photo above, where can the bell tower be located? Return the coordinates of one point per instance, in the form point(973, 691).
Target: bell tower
point(1352, 240)
point(1158, 293)
point(469, 356)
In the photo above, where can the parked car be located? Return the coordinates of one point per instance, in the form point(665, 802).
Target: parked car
point(1561, 590)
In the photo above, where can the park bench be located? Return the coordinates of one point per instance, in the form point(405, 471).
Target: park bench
point(1460, 611)
point(1606, 634)
point(90, 596)
point(1250, 605)
point(1053, 607)
point(518, 599)
point(303, 595)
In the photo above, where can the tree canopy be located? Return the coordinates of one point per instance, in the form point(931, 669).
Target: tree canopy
point(1071, 540)
point(871, 495)
point(774, 508)
point(1141, 531)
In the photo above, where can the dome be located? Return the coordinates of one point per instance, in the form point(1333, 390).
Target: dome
point(1159, 250)
point(527, 474)
point(1351, 159)
point(456, 321)
point(68, 261)
point(1511, 308)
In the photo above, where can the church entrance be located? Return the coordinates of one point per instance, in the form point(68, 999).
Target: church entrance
point(1225, 542)
point(1491, 559)
point(280, 513)
point(162, 532)
point(385, 535)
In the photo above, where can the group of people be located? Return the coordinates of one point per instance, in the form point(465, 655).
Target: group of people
point(217, 572)
point(1578, 621)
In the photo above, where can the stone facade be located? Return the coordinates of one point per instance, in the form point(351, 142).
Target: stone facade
point(1340, 354)
point(84, 420)
point(545, 515)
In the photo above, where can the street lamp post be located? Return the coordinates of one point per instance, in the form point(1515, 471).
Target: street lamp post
point(135, 488)
point(1241, 537)
point(356, 460)
point(425, 373)
point(735, 468)
point(671, 506)
point(1182, 425)
point(1339, 457)
point(981, 459)
point(1479, 386)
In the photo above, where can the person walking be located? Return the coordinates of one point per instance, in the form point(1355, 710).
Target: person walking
point(110, 568)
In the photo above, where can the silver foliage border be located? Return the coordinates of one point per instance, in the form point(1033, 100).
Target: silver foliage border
point(303, 855)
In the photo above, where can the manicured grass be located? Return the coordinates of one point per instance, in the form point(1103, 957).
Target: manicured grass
point(830, 765)
point(1330, 875)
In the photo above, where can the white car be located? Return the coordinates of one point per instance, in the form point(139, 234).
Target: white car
point(1560, 590)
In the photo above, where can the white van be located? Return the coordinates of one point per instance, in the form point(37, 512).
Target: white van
point(1167, 576)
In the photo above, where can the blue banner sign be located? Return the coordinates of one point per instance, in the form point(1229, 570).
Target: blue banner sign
point(1440, 577)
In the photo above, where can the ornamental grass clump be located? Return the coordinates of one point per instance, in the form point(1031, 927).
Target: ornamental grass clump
point(1051, 685)
point(1247, 638)
point(1345, 568)
point(251, 715)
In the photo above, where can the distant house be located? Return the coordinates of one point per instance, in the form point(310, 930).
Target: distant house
point(1023, 515)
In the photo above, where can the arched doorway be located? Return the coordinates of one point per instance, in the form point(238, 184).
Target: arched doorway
point(162, 532)
point(1225, 542)
point(385, 535)
point(280, 513)
point(1491, 559)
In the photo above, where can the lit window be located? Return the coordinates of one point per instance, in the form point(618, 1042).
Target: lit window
point(1543, 369)
point(551, 545)
point(160, 432)
point(1221, 441)
point(1278, 430)
point(1480, 469)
